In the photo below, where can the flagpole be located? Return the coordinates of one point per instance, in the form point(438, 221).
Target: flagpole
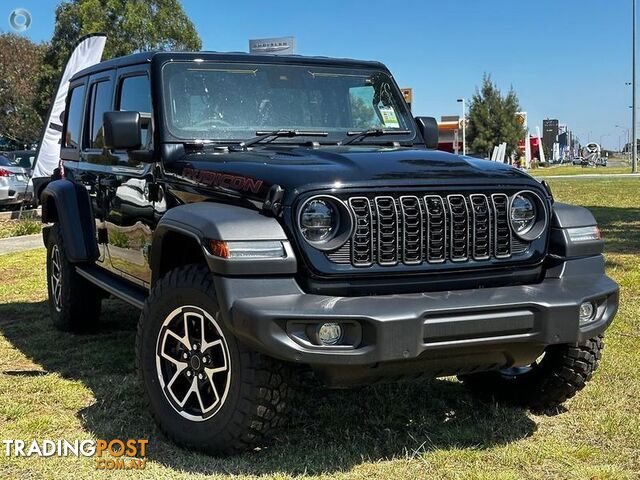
point(634, 147)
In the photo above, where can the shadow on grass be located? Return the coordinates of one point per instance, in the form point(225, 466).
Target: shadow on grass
point(620, 227)
point(329, 431)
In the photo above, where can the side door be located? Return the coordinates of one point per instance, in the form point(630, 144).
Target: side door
point(94, 161)
point(73, 136)
point(130, 218)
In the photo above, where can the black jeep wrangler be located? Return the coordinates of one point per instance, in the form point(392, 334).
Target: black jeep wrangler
point(271, 214)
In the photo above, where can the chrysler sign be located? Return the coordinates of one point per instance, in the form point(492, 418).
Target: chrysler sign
point(273, 46)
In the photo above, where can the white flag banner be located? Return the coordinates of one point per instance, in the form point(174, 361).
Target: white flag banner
point(88, 52)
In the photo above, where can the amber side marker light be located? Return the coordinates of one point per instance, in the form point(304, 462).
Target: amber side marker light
point(254, 249)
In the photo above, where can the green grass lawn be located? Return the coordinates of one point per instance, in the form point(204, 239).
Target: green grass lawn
point(56, 385)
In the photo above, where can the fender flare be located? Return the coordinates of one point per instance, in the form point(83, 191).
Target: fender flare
point(564, 217)
point(205, 221)
point(69, 205)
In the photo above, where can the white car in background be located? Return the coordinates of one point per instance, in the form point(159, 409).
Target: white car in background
point(14, 182)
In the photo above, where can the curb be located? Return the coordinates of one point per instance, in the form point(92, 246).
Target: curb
point(13, 214)
point(21, 244)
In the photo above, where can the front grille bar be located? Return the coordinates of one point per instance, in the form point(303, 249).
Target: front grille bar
point(502, 227)
point(412, 230)
point(388, 231)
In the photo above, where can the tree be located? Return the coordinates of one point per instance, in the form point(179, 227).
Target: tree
point(492, 119)
point(20, 61)
point(130, 25)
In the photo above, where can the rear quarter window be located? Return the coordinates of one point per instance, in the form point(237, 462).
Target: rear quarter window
point(74, 117)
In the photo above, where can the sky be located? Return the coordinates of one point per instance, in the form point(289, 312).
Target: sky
point(566, 59)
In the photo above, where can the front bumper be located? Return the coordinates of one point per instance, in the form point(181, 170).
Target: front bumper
point(454, 331)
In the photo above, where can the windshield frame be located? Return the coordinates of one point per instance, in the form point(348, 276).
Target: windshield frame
point(335, 137)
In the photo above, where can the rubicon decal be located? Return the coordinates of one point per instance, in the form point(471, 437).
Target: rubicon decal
point(225, 180)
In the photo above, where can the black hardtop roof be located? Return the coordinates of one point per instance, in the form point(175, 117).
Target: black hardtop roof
point(158, 56)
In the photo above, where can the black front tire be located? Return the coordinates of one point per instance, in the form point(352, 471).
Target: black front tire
point(74, 302)
point(253, 388)
point(562, 372)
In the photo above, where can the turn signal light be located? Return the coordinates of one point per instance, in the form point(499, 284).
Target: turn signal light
point(219, 248)
point(584, 234)
point(247, 249)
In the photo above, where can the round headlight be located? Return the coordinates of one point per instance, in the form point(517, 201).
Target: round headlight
point(319, 221)
point(523, 214)
point(528, 215)
point(325, 222)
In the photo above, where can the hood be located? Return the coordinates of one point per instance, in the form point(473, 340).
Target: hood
point(297, 169)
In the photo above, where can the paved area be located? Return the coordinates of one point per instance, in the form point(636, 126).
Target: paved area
point(592, 175)
point(20, 244)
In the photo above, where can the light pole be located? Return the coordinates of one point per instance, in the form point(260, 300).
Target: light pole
point(464, 126)
point(628, 139)
point(634, 146)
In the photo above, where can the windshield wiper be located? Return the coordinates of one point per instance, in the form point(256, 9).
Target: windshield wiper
point(372, 132)
point(261, 136)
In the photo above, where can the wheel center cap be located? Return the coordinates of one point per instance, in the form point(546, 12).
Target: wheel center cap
point(195, 362)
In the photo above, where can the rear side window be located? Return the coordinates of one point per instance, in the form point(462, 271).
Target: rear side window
point(100, 103)
point(135, 96)
point(74, 118)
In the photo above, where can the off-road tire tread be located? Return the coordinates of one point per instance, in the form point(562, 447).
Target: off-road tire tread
point(566, 370)
point(81, 300)
point(264, 388)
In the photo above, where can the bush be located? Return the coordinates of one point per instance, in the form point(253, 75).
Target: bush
point(26, 227)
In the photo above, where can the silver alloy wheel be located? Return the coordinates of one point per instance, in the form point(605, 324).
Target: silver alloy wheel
point(193, 363)
point(56, 278)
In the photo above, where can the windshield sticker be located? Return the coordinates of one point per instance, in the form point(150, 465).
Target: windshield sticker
point(389, 117)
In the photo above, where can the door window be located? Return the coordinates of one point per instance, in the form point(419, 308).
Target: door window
point(100, 103)
point(135, 96)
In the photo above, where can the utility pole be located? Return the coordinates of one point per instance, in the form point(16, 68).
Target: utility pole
point(464, 126)
point(627, 139)
point(634, 146)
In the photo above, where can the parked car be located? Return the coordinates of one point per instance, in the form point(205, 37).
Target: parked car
point(13, 182)
point(270, 214)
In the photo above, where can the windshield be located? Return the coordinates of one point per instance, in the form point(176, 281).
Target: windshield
point(231, 102)
point(6, 162)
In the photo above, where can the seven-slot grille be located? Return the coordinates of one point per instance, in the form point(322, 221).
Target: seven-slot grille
point(416, 229)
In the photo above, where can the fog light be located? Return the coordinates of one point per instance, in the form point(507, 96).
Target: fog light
point(329, 333)
point(587, 312)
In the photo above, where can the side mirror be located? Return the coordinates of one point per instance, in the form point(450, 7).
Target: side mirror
point(428, 127)
point(122, 130)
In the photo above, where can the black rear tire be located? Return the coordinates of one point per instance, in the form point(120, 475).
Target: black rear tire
point(562, 372)
point(250, 388)
point(74, 302)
